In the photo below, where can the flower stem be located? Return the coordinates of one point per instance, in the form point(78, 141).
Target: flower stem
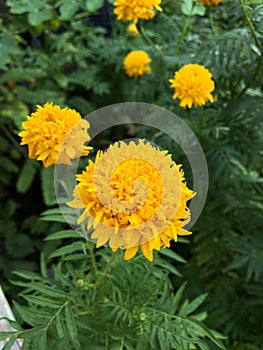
point(212, 23)
point(12, 139)
point(149, 40)
point(249, 22)
point(186, 26)
point(93, 260)
point(104, 273)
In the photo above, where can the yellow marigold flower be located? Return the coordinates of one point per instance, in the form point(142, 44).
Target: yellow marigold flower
point(133, 10)
point(193, 85)
point(209, 2)
point(134, 196)
point(133, 30)
point(55, 135)
point(136, 63)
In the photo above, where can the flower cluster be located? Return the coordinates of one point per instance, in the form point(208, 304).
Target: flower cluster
point(55, 135)
point(193, 83)
point(133, 195)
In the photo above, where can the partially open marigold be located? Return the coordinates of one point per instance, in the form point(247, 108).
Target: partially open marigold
point(209, 2)
point(136, 63)
point(133, 10)
point(134, 196)
point(133, 30)
point(193, 85)
point(55, 135)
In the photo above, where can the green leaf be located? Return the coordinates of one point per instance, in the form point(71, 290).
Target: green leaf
point(56, 218)
point(10, 342)
point(62, 234)
point(27, 275)
point(199, 9)
point(42, 301)
point(169, 267)
point(68, 9)
point(171, 254)
point(206, 332)
point(47, 186)
point(8, 49)
point(42, 341)
point(187, 7)
point(71, 325)
point(68, 249)
point(49, 291)
point(16, 112)
point(53, 211)
point(26, 176)
point(189, 308)
point(94, 5)
point(4, 335)
point(178, 296)
point(8, 164)
point(59, 327)
point(31, 316)
point(17, 7)
point(36, 17)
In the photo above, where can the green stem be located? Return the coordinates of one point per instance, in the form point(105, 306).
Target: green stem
point(104, 273)
point(249, 22)
point(186, 27)
point(12, 139)
point(149, 40)
point(212, 23)
point(93, 259)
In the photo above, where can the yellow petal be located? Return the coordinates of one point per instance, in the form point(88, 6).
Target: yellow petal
point(146, 251)
point(130, 253)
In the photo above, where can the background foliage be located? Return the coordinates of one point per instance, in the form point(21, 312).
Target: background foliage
point(71, 53)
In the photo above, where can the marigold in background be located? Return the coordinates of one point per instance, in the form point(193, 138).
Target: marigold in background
point(136, 63)
point(209, 2)
point(133, 30)
point(193, 85)
point(133, 10)
point(55, 135)
point(134, 196)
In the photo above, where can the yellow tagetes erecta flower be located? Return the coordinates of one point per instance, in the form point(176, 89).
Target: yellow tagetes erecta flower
point(133, 30)
point(134, 196)
point(133, 10)
point(136, 63)
point(209, 2)
point(55, 135)
point(193, 85)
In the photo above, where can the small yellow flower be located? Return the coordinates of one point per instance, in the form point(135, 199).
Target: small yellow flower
point(134, 196)
point(133, 10)
point(209, 2)
point(193, 85)
point(55, 135)
point(133, 30)
point(136, 63)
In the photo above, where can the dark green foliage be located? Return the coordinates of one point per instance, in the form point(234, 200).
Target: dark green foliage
point(98, 302)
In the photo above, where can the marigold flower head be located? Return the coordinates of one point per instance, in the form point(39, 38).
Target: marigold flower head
point(209, 2)
point(55, 135)
point(133, 10)
point(133, 30)
point(193, 85)
point(134, 196)
point(136, 63)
